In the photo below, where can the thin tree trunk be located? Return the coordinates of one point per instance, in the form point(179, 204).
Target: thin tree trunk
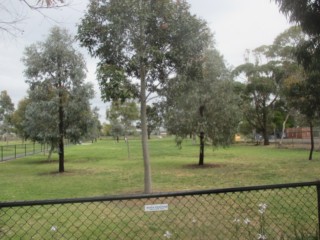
point(143, 107)
point(201, 155)
point(265, 127)
point(144, 132)
point(284, 128)
point(312, 141)
point(61, 132)
point(50, 152)
point(128, 146)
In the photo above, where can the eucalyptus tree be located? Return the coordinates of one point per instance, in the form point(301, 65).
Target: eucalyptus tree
point(283, 53)
point(306, 13)
point(154, 118)
point(59, 97)
point(139, 43)
point(6, 111)
point(204, 104)
point(122, 115)
point(19, 116)
point(301, 83)
point(262, 90)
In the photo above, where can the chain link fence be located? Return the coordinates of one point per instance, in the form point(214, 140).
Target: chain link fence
point(288, 211)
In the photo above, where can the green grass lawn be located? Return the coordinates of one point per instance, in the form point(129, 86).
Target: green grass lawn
point(103, 168)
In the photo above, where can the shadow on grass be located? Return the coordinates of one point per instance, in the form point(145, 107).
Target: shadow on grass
point(205, 166)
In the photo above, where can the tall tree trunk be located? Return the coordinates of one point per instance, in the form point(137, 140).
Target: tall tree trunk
point(143, 107)
point(50, 152)
point(201, 155)
point(144, 132)
point(265, 127)
point(312, 140)
point(284, 128)
point(61, 132)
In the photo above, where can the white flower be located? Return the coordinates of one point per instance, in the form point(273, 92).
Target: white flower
point(167, 234)
point(53, 228)
point(262, 237)
point(262, 208)
point(246, 221)
point(194, 220)
point(236, 220)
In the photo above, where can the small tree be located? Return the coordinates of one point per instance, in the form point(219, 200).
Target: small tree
point(59, 98)
point(204, 103)
point(6, 111)
point(154, 119)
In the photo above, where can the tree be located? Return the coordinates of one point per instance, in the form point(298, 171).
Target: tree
point(154, 118)
point(204, 103)
point(19, 116)
point(122, 116)
point(301, 83)
point(59, 106)
point(306, 13)
point(142, 40)
point(6, 111)
point(94, 125)
point(262, 90)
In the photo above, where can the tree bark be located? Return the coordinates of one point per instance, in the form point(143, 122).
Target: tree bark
point(265, 128)
point(284, 128)
point(61, 132)
point(201, 155)
point(143, 109)
point(312, 141)
point(144, 133)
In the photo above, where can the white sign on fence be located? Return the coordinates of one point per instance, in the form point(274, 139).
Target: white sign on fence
point(156, 207)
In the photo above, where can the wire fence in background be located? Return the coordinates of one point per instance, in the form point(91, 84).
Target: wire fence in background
point(287, 211)
point(8, 152)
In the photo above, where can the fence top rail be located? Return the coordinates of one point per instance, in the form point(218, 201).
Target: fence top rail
point(156, 195)
point(19, 144)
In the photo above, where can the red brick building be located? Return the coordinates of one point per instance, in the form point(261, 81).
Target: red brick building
point(299, 133)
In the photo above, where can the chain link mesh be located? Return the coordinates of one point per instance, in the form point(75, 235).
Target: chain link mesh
point(267, 213)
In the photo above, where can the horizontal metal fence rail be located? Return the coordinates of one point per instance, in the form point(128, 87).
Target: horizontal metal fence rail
point(8, 152)
point(286, 211)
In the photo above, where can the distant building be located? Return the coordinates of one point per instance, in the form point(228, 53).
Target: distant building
point(298, 133)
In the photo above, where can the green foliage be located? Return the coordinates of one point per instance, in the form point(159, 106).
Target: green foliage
point(6, 111)
point(121, 116)
point(266, 101)
point(161, 35)
point(55, 71)
point(59, 104)
point(204, 101)
point(154, 118)
point(306, 13)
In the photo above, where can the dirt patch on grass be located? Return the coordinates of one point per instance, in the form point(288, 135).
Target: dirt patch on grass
point(205, 166)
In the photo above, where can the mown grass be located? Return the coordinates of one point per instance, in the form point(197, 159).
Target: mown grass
point(103, 168)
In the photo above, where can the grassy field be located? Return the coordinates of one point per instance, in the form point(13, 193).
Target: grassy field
point(103, 168)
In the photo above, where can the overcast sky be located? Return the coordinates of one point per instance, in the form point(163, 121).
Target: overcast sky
point(237, 25)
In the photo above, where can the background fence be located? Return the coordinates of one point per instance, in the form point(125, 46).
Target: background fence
point(8, 152)
point(288, 211)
